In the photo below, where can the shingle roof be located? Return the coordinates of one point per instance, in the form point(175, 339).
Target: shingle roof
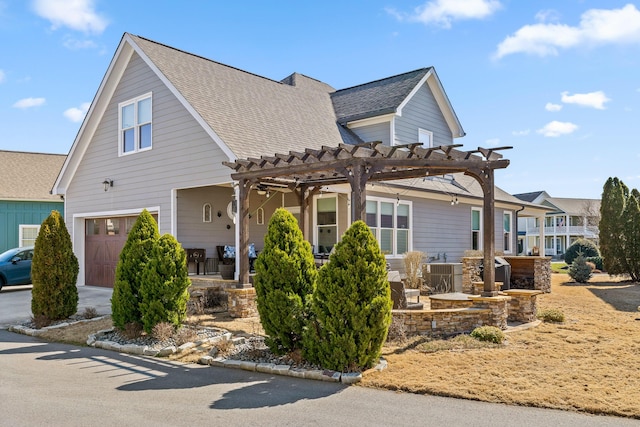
point(253, 115)
point(29, 176)
point(528, 197)
point(574, 206)
point(375, 98)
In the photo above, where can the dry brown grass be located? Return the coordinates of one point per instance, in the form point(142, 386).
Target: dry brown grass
point(588, 363)
point(77, 333)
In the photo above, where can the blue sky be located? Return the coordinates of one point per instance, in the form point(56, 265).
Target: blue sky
point(557, 80)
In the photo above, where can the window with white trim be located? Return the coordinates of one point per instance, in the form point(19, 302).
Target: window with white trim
point(134, 123)
point(27, 235)
point(507, 231)
point(390, 222)
point(425, 137)
point(326, 223)
point(206, 212)
point(476, 229)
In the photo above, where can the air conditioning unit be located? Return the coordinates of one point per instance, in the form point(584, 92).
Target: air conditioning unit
point(443, 278)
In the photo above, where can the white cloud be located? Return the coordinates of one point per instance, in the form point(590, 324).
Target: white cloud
point(78, 15)
point(442, 12)
point(2, 76)
point(75, 44)
point(493, 142)
point(552, 107)
point(591, 99)
point(77, 114)
point(547, 15)
point(597, 27)
point(29, 103)
point(554, 129)
point(521, 132)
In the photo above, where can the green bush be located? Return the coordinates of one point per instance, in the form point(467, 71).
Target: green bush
point(489, 334)
point(163, 291)
point(351, 305)
point(285, 278)
point(126, 298)
point(597, 261)
point(54, 271)
point(551, 315)
point(581, 246)
point(580, 271)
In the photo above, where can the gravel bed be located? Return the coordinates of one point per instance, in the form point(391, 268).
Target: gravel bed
point(255, 350)
point(155, 344)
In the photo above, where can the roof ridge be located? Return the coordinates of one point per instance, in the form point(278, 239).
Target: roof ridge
point(31, 152)
point(206, 59)
point(384, 78)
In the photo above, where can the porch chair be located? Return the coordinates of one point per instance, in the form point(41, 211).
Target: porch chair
point(399, 298)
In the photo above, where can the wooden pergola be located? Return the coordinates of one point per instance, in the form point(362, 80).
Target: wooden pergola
point(306, 172)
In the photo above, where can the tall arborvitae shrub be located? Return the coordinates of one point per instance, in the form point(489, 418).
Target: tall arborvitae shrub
point(351, 305)
point(54, 271)
point(631, 217)
point(284, 282)
point(126, 298)
point(611, 226)
point(165, 280)
point(581, 246)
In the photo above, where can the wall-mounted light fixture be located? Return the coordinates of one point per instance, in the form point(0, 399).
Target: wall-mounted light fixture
point(219, 214)
point(107, 183)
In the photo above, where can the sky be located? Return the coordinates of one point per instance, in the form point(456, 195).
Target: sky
point(559, 81)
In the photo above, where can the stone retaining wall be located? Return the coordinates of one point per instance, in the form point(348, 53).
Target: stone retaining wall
point(441, 323)
point(242, 302)
point(498, 307)
point(523, 306)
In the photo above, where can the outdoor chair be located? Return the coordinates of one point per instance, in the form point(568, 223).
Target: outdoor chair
point(399, 298)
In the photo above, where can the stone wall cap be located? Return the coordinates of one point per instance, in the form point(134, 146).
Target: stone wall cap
point(522, 292)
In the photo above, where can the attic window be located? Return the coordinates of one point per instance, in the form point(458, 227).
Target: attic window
point(134, 118)
point(425, 137)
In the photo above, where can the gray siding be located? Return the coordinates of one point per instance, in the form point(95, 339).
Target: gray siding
point(422, 111)
point(183, 155)
point(377, 132)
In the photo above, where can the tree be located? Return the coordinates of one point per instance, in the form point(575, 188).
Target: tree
point(614, 196)
point(582, 247)
point(284, 282)
point(54, 271)
point(126, 298)
point(351, 305)
point(631, 216)
point(165, 279)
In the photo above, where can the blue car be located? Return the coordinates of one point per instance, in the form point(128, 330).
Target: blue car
point(15, 266)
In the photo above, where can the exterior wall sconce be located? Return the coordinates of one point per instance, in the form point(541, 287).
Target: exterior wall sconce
point(107, 183)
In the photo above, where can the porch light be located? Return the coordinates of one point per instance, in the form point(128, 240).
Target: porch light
point(107, 183)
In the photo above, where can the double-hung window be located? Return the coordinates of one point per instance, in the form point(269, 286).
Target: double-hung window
point(390, 221)
point(327, 223)
point(507, 231)
point(28, 234)
point(134, 118)
point(476, 229)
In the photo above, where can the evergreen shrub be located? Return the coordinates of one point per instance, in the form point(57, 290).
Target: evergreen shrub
point(284, 282)
point(54, 271)
point(581, 246)
point(580, 271)
point(351, 305)
point(551, 315)
point(488, 334)
point(597, 262)
point(163, 291)
point(126, 297)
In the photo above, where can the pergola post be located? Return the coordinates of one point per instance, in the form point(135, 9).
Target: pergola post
point(357, 178)
point(242, 251)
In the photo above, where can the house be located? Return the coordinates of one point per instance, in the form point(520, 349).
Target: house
point(25, 195)
point(567, 221)
point(163, 121)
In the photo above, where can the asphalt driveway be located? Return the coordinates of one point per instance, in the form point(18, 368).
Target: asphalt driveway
point(15, 302)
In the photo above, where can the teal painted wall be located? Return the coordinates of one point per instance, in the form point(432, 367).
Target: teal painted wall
point(13, 214)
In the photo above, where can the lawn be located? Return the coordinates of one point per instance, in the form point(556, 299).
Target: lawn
point(589, 363)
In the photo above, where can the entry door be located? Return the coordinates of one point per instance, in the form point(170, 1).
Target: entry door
point(104, 239)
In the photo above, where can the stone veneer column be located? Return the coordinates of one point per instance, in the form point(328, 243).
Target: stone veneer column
point(470, 273)
point(499, 307)
point(542, 274)
point(242, 302)
point(523, 306)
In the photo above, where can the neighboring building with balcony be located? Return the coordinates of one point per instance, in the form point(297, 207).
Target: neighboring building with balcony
point(568, 221)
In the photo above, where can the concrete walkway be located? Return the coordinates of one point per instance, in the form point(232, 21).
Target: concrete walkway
point(15, 302)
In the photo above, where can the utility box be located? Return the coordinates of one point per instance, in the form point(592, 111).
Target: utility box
point(443, 278)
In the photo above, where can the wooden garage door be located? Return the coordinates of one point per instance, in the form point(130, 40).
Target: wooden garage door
point(104, 239)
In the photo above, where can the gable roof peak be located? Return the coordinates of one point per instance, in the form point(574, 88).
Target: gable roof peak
point(306, 82)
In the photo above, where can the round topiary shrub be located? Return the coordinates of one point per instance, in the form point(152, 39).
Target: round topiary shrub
point(351, 305)
point(551, 315)
point(163, 291)
point(489, 334)
point(581, 246)
point(126, 298)
point(54, 271)
point(284, 282)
